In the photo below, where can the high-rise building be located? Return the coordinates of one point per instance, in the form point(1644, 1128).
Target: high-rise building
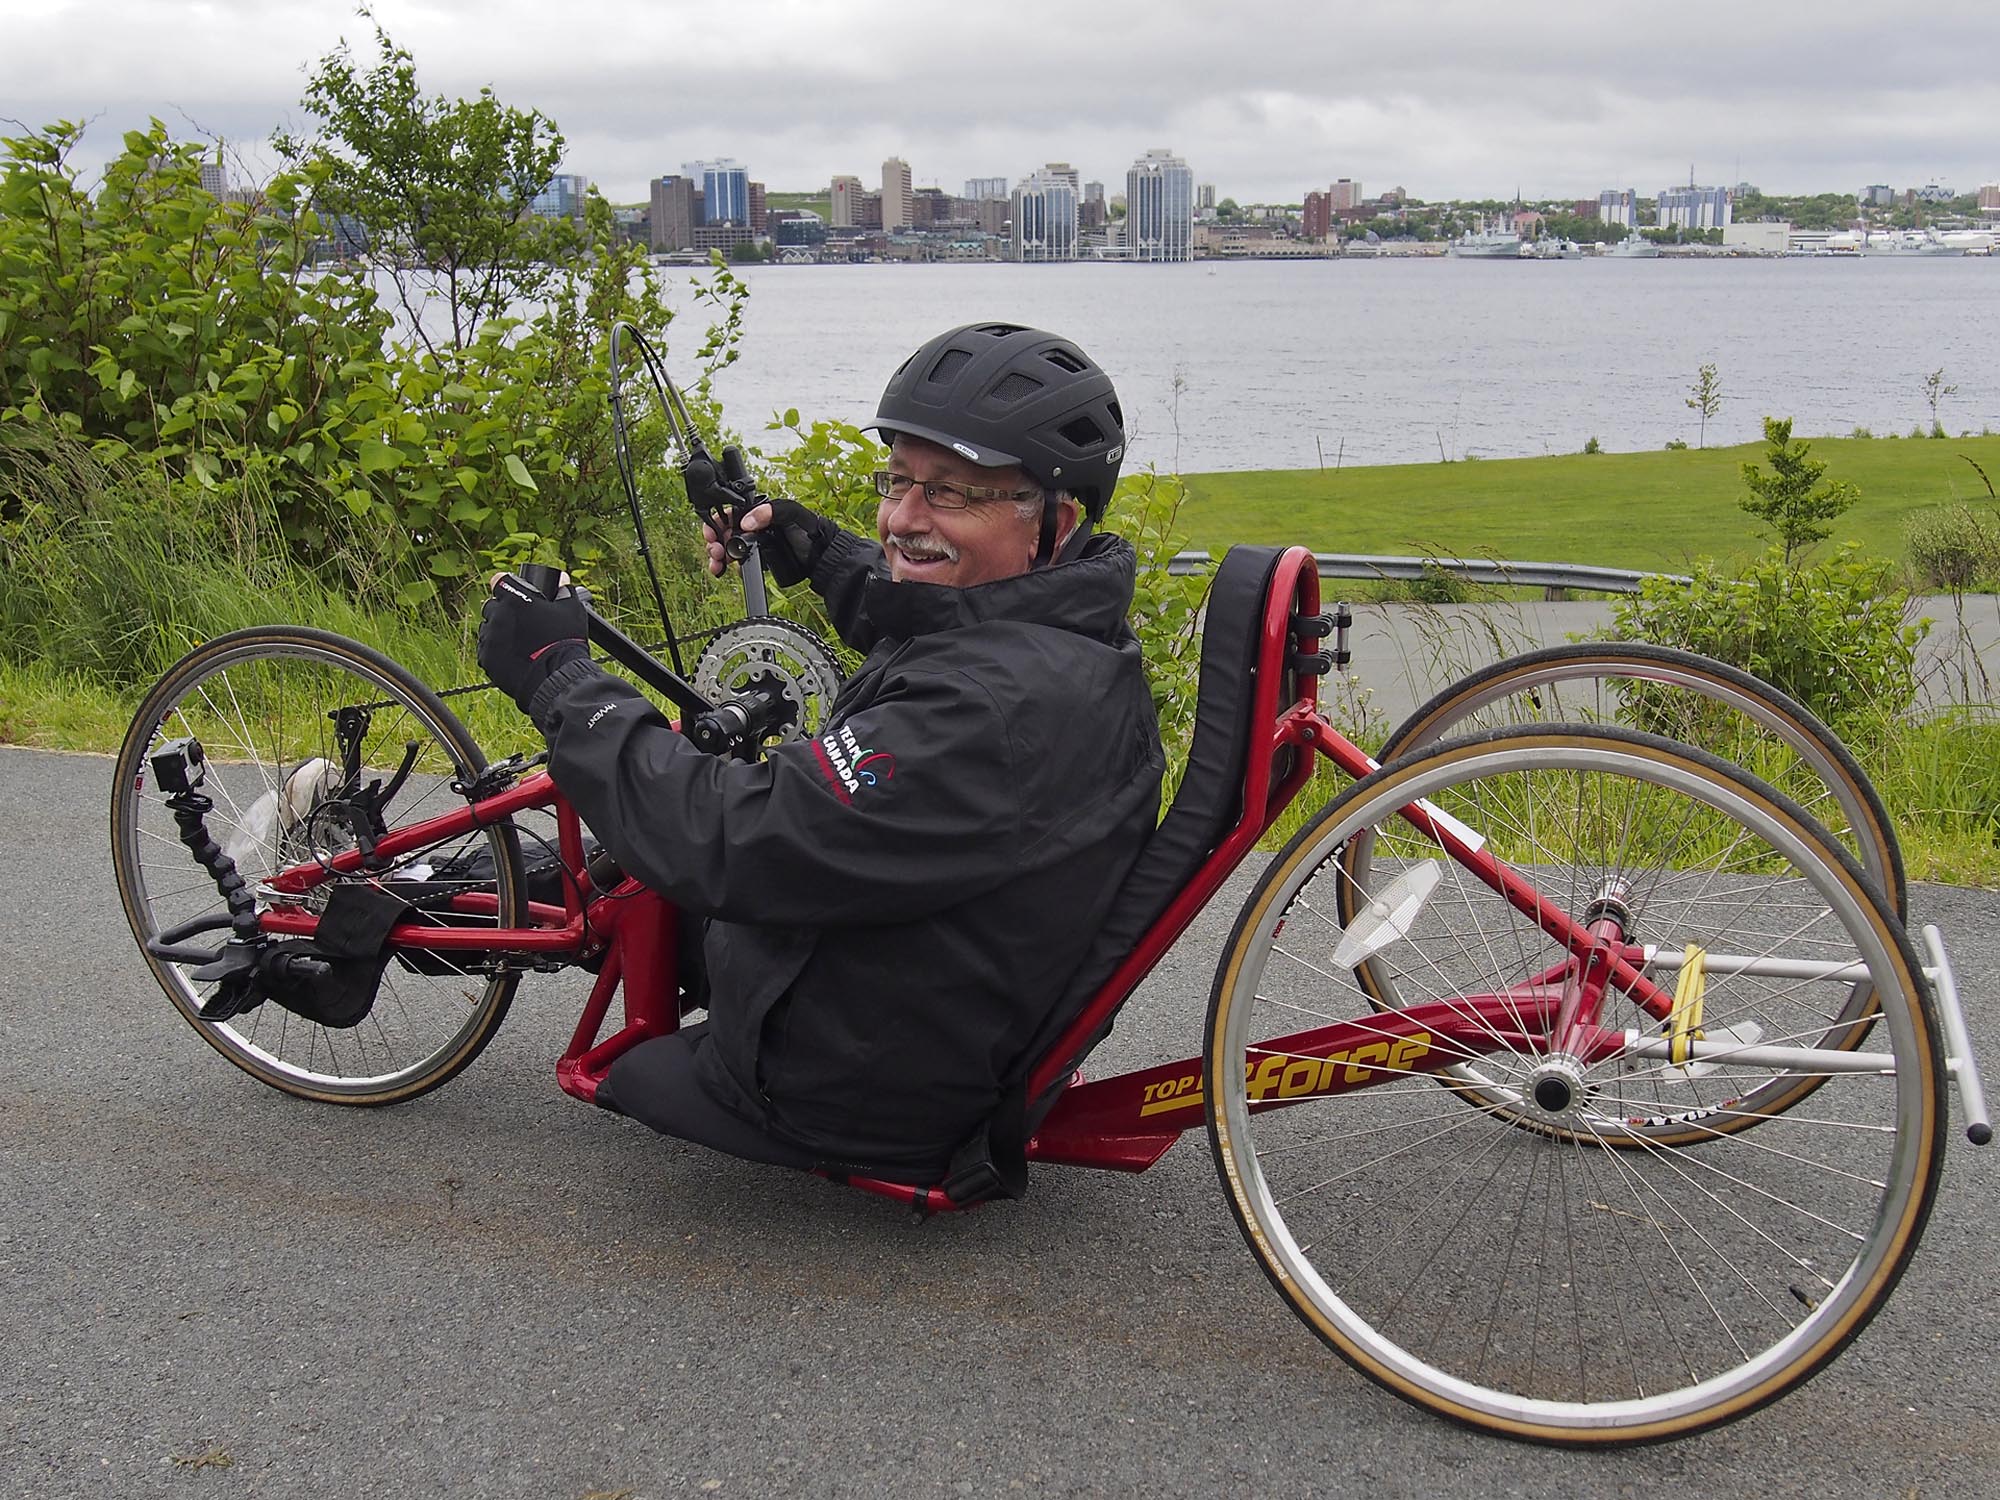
point(1317, 219)
point(1989, 198)
point(1345, 193)
point(979, 189)
point(1694, 208)
point(846, 198)
point(676, 209)
point(562, 198)
point(897, 209)
point(1618, 206)
point(1877, 195)
point(1159, 208)
point(725, 190)
point(214, 176)
point(757, 214)
point(1204, 198)
point(1045, 219)
point(1064, 172)
point(1091, 212)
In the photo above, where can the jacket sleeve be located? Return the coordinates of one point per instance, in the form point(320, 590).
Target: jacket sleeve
point(908, 807)
point(841, 581)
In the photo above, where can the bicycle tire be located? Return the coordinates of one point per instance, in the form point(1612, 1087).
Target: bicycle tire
point(1829, 783)
point(260, 700)
point(1539, 1284)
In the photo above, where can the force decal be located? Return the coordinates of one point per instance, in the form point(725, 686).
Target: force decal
point(1284, 1075)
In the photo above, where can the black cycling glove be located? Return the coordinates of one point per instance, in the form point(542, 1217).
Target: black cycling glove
point(793, 542)
point(524, 636)
point(791, 545)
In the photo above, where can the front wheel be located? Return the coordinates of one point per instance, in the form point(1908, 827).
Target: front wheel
point(1543, 1259)
point(285, 717)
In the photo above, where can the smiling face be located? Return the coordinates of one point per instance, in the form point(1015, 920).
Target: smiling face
point(988, 540)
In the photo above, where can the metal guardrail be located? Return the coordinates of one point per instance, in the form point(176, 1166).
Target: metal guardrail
point(1499, 572)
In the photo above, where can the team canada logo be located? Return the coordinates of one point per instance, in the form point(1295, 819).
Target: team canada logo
point(850, 765)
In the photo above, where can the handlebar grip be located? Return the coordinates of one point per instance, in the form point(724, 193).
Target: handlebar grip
point(545, 580)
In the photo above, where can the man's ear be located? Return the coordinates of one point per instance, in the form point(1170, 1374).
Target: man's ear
point(1066, 514)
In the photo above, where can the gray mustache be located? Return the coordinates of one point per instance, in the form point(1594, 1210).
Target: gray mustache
point(923, 546)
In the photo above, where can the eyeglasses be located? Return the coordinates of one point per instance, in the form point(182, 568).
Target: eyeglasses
point(893, 486)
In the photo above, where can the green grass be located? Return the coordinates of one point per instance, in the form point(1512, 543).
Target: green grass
point(818, 203)
point(1617, 510)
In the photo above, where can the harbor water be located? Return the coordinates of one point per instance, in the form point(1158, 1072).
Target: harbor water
point(1298, 364)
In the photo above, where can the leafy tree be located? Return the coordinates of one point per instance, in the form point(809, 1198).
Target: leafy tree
point(1795, 500)
point(441, 187)
point(1705, 397)
point(1228, 210)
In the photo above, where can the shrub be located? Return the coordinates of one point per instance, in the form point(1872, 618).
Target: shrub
point(1953, 548)
point(1676, 445)
point(1833, 635)
point(1592, 447)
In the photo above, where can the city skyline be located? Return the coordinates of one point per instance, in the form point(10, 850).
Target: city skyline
point(1556, 98)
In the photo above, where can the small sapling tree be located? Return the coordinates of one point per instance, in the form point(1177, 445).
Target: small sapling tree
point(1935, 392)
point(1796, 501)
point(1705, 397)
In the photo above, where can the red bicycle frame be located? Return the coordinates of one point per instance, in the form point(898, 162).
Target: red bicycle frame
point(1128, 1121)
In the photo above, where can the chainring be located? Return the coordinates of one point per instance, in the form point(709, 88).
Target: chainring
point(765, 651)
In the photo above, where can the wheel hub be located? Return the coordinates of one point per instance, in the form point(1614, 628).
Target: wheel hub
point(1557, 1085)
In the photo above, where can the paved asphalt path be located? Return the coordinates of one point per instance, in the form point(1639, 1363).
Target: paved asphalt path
point(210, 1289)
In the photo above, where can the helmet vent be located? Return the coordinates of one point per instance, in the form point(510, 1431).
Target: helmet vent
point(1117, 413)
point(1014, 388)
point(1062, 359)
point(1083, 432)
point(949, 364)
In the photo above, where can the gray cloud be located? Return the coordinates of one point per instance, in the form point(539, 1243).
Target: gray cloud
point(1557, 97)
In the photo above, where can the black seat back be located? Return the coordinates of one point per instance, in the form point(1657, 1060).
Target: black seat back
point(1207, 806)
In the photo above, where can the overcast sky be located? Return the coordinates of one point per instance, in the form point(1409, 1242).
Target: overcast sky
point(1456, 98)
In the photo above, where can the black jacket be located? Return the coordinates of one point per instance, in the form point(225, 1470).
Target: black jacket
point(897, 902)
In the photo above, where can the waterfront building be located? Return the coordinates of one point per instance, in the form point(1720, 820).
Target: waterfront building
point(675, 210)
point(1068, 174)
point(562, 198)
point(897, 209)
point(725, 190)
point(980, 189)
point(1092, 213)
point(847, 193)
point(1159, 213)
point(1761, 237)
point(1618, 206)
point(1045, 215)
point(1989, 198)
point(1694, 207)
point(1317, 218)
point(797, 228)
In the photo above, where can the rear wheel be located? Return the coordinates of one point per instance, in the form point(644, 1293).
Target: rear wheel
point(1687, 697)
point(1503, 1264)
point(263, 704)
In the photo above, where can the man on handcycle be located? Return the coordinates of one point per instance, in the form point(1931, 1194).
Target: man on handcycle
point(890, 909)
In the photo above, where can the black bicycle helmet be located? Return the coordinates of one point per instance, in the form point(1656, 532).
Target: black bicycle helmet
point(1006, 396)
